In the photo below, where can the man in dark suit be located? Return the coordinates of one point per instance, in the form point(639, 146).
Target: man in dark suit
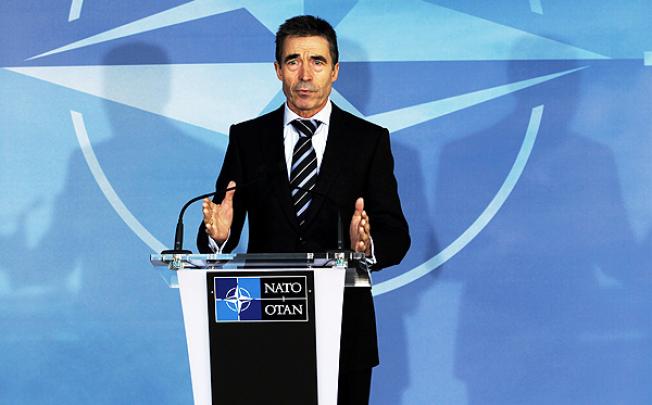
point(311, 144)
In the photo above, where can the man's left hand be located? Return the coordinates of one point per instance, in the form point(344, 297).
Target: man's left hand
point(360, 229)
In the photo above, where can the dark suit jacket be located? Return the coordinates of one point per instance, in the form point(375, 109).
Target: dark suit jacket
point(357, 162)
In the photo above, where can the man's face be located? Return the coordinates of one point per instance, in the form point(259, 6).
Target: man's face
point(307, 72)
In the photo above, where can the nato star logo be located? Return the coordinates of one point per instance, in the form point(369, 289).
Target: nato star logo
point(238, 299)
point(214, 84)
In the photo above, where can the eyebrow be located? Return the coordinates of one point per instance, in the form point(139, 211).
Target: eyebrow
point(290, 57)
point(319, 58)
point(296, 55)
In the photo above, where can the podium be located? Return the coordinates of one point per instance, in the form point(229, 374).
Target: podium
point(263, 328)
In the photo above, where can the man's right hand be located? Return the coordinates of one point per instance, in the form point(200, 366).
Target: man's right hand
point(218, 217)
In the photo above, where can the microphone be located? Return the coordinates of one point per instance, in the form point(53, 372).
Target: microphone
point(178, 234)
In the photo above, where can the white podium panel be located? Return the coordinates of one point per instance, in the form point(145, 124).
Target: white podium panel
point(328, 296)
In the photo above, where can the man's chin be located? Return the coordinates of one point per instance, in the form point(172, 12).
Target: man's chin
point(304, 108)
point(305, 104)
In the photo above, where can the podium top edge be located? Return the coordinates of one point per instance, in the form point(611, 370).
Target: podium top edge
point(357, 268)
point(305, 258)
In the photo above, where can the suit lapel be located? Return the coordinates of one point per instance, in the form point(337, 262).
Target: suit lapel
point(273, 149)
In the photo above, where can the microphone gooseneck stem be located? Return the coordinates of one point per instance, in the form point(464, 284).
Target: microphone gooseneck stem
point(194, 200)
point(178, 234)
point(340, 230)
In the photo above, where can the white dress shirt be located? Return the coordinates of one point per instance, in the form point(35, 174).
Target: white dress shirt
point(291, 135)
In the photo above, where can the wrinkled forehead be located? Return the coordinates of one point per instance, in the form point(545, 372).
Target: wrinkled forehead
point(310, 46)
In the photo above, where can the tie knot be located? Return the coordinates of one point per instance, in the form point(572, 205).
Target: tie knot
point(306, 128)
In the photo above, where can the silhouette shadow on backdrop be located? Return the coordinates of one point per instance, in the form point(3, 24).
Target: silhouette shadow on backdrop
point(552, 309)
point(109, 320)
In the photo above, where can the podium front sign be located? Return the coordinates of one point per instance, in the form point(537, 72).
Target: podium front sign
point(262, 328)
point(263, 335)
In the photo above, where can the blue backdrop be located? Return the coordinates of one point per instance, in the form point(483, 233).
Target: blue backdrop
point(522, 137)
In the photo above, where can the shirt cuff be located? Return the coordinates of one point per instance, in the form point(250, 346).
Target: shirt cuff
point(371, 259)
point(216, 247)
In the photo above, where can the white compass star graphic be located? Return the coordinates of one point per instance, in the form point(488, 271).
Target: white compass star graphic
point(238, 299)
point(205, 82)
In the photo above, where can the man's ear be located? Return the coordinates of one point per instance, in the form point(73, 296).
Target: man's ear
point(279, 72)
point(336, 71)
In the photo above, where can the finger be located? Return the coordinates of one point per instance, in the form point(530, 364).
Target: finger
point(228, 197)
point(364, 236)
point(207, 215)
point(359, 205)
point(209, 205)
point(357, 214)
point(355, 223)
point(365, 221)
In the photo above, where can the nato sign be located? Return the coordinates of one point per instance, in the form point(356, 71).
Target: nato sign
point(261, 299)
point(262, 320)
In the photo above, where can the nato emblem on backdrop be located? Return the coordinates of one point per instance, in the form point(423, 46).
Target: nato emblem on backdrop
point(261, 299)
point(199, 76)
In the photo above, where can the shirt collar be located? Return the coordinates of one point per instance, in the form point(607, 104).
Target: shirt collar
point(323, 116)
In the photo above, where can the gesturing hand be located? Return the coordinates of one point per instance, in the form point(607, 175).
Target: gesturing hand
point(360, 229)
point(218, 217)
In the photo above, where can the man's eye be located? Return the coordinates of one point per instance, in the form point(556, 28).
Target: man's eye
point(292, 62)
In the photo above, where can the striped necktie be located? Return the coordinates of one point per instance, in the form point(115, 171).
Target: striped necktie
point(303, 173)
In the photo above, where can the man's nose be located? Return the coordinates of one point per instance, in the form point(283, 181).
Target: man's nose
point(305, 72)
